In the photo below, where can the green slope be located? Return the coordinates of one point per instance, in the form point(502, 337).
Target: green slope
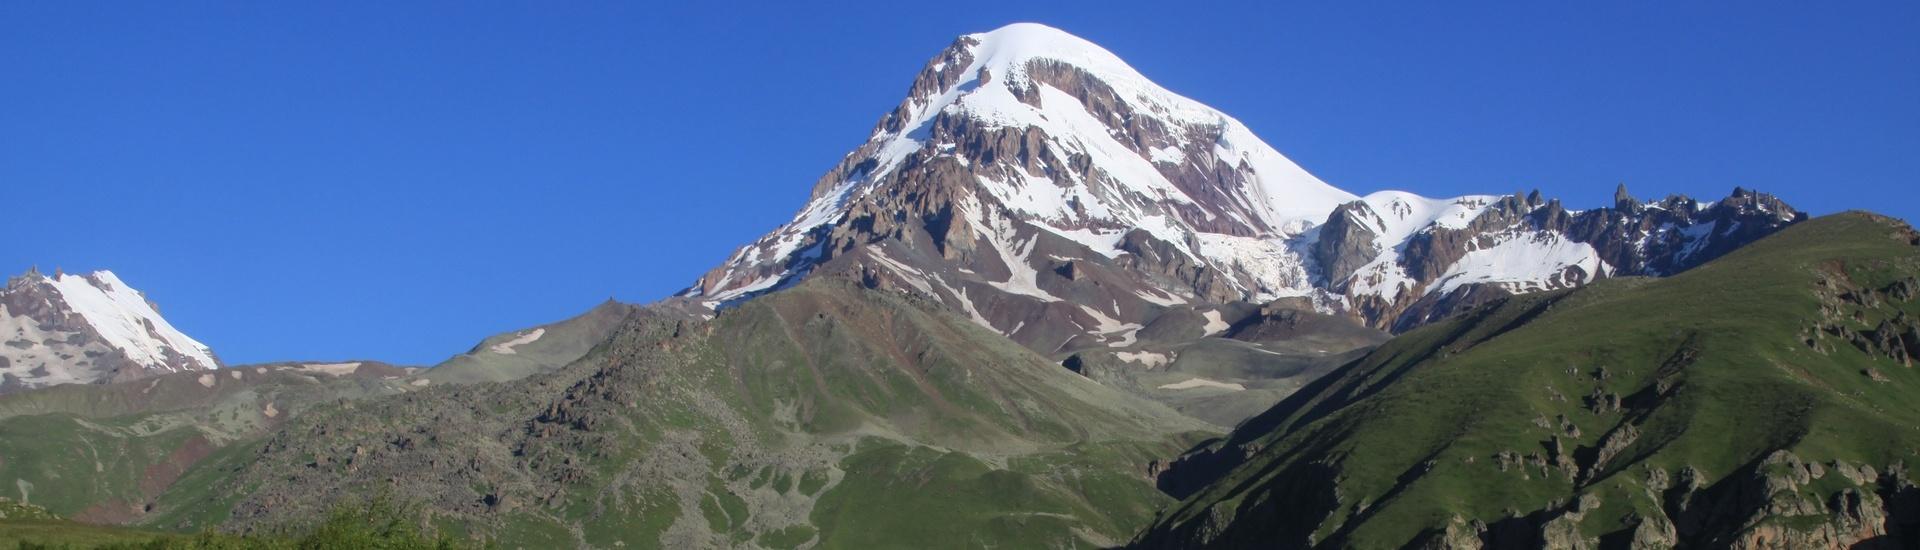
point(520, 353)
point(103, 453)
point(1761, 399)
point(825, 415)
point(26, 525)
point(106, 453)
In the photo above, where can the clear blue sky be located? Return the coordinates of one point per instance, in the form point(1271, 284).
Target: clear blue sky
point(365, 180)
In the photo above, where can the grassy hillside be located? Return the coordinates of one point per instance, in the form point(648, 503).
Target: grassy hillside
point(826, 414)
point(517, 354)
point(103, 453)
point(107, 453)
point(376, 523)
point(1764, 399)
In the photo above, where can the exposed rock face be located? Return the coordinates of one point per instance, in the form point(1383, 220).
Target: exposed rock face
point(1654, 532)
point(1460, 534)
point(83, 329)
point(1845, 305)
point(1747, 510)
point(1025, 149)
point(1346, 243)
point(1563, 532)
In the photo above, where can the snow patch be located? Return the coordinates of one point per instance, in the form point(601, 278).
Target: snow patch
point(764, 283)
point(1215, 324)
point(1108, 326)
point(1160, 297)
point(1102, 242)
point(1192, 383)
point(966, 304)
point(1150, 359)
point(1022, 278)
point(913, 277)
point(506, 348)
point(1528, 262)
point(335, 369)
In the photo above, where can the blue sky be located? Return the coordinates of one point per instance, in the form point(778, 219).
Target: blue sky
point(366, 180)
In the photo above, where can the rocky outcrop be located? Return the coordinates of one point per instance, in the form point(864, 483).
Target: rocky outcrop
point(1610, 447)
point(1563, 532)
point(11, 510)
point(1653, 533)
point(1847, 305)
point(1459, 534)
point(1771, 505)
point(1345, 243)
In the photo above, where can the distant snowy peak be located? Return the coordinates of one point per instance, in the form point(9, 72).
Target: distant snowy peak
point(71, 328)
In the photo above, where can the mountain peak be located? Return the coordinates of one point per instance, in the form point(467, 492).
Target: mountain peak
point(1011, 47)
point(1028, 32)
point(82, 328)
point(1031, 122)
point(1022, 40)
point(1087, 101)
point(1012, 50)
point(1030, 172)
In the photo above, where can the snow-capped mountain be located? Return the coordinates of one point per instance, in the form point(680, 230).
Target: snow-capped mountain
point(1036, 182)
point(68, 329)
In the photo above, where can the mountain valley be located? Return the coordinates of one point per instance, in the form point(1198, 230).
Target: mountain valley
point(1051, 304)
